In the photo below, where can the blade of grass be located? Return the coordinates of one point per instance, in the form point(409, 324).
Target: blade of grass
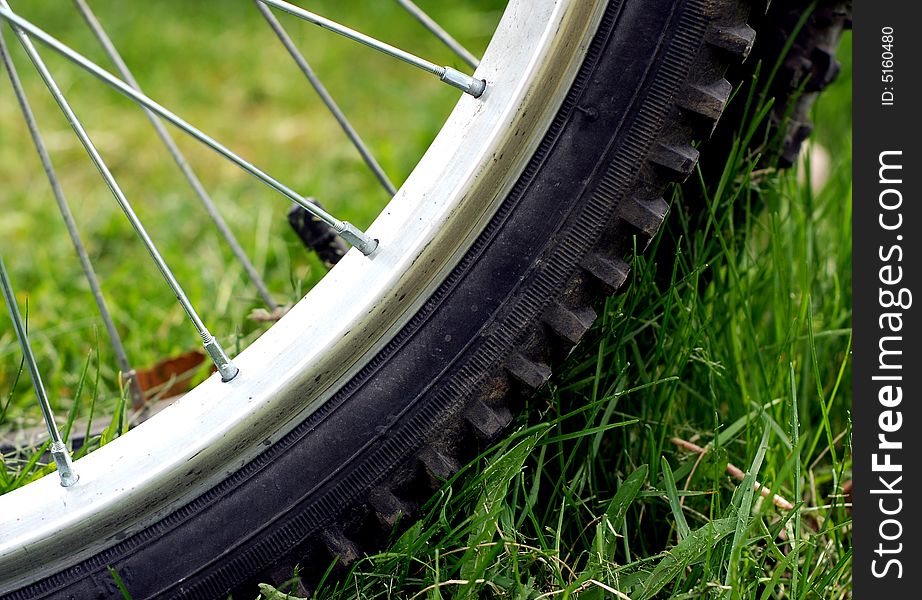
point(26, 472)
point(75, 404)
point(745, 493)
point(496, 479)
point(672, 493)
point(674, 562)
point(798, 494)
point(119, 583)
point(606, 536)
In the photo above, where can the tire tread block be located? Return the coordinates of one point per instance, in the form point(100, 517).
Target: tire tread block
point(733, 39)
point(645, 216)
point(612, 273)
point(530, 373)
point(706, 100)
point(389, 508)
point(437, 465)
point(487, 422)
point(340, 547)
point(568, 324)
point(677, 161)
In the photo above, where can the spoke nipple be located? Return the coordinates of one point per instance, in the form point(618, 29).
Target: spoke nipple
point(467, 84)
point(224, 364)
point(356, 237)
point(65, 467)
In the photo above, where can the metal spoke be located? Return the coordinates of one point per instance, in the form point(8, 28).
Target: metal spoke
point(223, 363)
point(324, 96)
point(59, 451)
point(439, 32)
point(177, 155)
point(115, 339)
point(344, 229)
point(453, 77)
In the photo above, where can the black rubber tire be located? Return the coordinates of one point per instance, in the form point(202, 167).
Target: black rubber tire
point(792, 61)
point(448, 382)
point(798, 40)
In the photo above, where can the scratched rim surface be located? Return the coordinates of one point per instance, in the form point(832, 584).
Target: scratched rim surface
point(300, 362)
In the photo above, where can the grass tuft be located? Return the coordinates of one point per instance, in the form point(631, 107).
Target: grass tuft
point(739, 344)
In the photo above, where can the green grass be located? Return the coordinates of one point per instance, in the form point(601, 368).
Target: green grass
point(740, 344)
point(222, 69)
point(745, 351)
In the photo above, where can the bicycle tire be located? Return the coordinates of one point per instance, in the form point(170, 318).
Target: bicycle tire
point(792, 61)
point(798, 42)
point(518, 299)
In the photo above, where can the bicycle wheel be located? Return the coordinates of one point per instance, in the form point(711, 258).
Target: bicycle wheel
point(395, 367)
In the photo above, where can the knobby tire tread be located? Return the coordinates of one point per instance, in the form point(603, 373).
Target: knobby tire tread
point(518, 301)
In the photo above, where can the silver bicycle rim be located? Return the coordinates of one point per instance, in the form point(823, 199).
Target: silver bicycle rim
point(331, 333)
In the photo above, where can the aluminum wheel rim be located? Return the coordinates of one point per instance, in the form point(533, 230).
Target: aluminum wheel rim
point(300, 362)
